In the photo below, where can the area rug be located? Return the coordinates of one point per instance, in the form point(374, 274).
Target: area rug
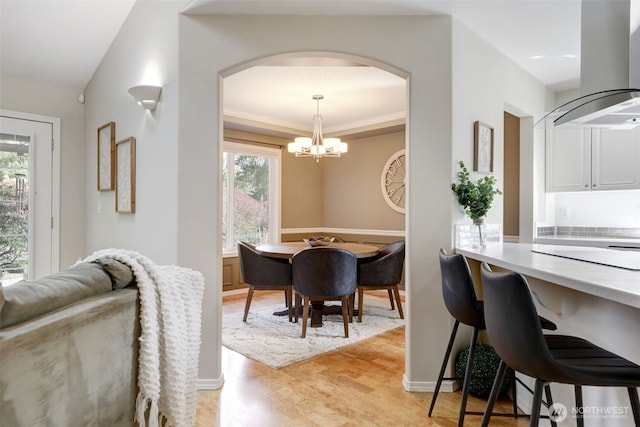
point(276, 342)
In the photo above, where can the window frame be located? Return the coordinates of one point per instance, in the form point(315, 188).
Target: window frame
point(275, 172)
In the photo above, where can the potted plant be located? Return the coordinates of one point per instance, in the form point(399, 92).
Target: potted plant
point(475, 198)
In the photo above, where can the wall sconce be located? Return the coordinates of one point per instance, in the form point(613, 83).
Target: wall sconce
point(147, 96)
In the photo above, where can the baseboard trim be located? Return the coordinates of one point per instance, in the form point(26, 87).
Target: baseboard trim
point(447, 386)
point(210, 384)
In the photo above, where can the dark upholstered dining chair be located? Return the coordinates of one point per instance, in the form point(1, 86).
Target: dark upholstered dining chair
point(384, 271)
point(264, 273)
point(324, 274)
point(460, 299)
point(512, 326)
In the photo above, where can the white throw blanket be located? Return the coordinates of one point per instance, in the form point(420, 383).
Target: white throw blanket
point(170, 309)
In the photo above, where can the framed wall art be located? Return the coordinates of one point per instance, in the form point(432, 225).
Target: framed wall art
point(106, 152)
point(482, 147)
point(126, 175)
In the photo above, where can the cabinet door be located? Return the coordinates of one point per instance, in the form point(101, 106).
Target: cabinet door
point(616, 159)
point(568, 160)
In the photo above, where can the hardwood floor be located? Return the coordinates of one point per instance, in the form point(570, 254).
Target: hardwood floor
point(356, 385)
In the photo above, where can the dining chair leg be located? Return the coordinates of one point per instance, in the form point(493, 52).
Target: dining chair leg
point(579, 405)
point(467, 377)
point(297, 307)
point(493, 396)
point(536, 403)
point(447, 353)
point(345, 315)
point(247, 304)
point(360, 305)
point(305, 315)
point(391, 298)
point(635, 404)
point(399, 303)
point(289, 302)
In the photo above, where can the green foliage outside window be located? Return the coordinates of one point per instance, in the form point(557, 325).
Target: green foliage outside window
point(14, 218)
point(250, 198)
point(252, 176)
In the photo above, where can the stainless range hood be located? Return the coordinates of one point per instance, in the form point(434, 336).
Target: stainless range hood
point(610, 68)
point(605, 109)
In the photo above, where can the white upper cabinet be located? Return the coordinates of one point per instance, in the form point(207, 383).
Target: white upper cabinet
point(568, 160)
point(592, 159)
point(615, 160)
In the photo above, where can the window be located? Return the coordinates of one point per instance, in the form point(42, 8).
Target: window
point(251, 195)
point(14, 207)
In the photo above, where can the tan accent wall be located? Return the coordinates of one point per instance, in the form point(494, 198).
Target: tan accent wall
point(302, 192)
point(352, 194)
point(335, 192)
point(511, 175)
point(365, 239)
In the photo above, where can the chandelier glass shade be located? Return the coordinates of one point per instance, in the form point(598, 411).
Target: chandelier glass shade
point(317, 146)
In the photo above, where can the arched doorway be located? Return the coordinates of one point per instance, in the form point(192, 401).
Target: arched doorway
point(215, 47)
point(264, 104)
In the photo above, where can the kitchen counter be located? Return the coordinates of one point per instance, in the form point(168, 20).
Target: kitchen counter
point(615, 284)
point(601, 242)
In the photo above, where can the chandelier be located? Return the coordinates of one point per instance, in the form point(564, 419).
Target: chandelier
point(317, 146)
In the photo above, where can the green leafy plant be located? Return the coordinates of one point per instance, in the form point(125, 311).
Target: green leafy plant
point(475, 198)
point(483, 372)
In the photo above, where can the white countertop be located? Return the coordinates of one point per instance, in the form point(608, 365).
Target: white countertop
point(615, 284)
point(601, 242)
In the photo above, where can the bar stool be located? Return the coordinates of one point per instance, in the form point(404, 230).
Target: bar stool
point(461, 301)
point(517, 337)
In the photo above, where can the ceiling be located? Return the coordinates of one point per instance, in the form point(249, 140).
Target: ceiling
point(41, 38)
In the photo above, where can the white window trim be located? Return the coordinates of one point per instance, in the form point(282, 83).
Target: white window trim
point(275, 174)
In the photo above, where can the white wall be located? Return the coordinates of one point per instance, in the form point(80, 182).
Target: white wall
point(178, 145)
point(485, 84)
point(29, 96)
point(482, 81)
point(144, 52)
point(594, 209)
point(419, 45)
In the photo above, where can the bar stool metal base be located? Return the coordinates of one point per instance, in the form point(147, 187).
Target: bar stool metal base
point(467, 382)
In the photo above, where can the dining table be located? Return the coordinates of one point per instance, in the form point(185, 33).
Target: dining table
point(289, 249)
